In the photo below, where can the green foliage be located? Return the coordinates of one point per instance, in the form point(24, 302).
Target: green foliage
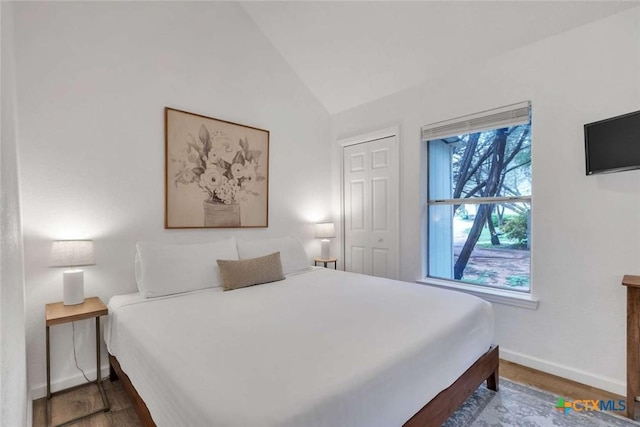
point(518, 281)
point(494, 219)
point(462, 212)
point(515, 227)
point(483, 277)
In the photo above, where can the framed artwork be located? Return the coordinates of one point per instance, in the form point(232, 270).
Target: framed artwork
point(216, 173)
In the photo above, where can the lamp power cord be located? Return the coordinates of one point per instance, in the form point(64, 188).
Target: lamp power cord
point(75, 356)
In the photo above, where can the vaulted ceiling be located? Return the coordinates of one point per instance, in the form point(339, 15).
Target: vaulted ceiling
point(350, 53)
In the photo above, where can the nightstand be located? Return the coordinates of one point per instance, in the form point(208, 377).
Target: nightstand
point(57, 314)
point(326, 261)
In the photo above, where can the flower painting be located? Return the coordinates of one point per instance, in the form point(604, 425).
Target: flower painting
point(216, 173)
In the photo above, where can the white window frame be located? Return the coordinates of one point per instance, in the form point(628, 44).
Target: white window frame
point(510, 115)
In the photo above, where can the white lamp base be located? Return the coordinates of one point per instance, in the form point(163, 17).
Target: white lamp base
point(325, 245)
point(73, 287)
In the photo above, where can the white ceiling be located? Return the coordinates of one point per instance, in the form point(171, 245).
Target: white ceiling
point(350, 53)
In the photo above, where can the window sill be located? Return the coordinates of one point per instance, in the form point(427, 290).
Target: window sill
point(499, 296)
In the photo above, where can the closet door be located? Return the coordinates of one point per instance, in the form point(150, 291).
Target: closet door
point(371, 207)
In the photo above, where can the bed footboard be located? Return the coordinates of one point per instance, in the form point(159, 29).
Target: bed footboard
point(138, 404)
point(440, 408)
point(433, 414)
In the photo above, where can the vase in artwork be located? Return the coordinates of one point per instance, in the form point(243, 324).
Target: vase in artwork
point(218, 214)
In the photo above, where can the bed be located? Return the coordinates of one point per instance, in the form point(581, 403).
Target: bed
point(320, 348)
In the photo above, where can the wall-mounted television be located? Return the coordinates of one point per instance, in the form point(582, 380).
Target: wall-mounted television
point(613, 145)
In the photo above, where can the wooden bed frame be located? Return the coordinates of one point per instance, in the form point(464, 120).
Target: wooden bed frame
point(433, 414)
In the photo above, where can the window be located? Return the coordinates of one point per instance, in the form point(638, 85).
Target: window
point(479, 198)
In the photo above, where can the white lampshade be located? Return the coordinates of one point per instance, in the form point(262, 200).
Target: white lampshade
point(325, 230)
point(72, 253)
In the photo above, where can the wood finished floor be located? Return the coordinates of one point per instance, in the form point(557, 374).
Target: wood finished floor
point(83, 400)
point(122, 414)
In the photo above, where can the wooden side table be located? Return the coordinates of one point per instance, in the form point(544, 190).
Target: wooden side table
point(326, 261)
point(633, 342)
point(58, 313)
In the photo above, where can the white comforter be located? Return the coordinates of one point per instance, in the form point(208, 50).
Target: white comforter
point(323, 348)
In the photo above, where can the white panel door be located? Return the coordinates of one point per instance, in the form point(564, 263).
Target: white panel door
point(371, 207)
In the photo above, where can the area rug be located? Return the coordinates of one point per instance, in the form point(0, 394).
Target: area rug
point(518, 405)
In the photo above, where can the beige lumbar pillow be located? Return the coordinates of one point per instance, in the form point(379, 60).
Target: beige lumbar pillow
point(250, 271)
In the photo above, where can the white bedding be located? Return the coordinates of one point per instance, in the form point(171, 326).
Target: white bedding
point(322, 348)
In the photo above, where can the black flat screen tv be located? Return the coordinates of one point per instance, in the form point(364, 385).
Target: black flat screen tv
point(613, 145)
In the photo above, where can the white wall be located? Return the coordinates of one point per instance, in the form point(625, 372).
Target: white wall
point(93, 79)
point(14, 399)
point(586, 230)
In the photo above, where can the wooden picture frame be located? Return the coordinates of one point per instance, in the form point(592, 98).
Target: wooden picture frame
point(216, 173)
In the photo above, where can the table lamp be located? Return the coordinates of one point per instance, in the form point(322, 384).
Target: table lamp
point(72, 253)
point(325, 231)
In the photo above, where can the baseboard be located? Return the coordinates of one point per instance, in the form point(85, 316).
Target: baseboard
point(603, 383)
point(40, 390)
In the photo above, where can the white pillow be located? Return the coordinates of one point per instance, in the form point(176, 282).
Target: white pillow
point(292, 254)
point(170, 269)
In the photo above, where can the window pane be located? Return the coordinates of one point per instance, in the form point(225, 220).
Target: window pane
point(483, 244)
point(483, 164)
